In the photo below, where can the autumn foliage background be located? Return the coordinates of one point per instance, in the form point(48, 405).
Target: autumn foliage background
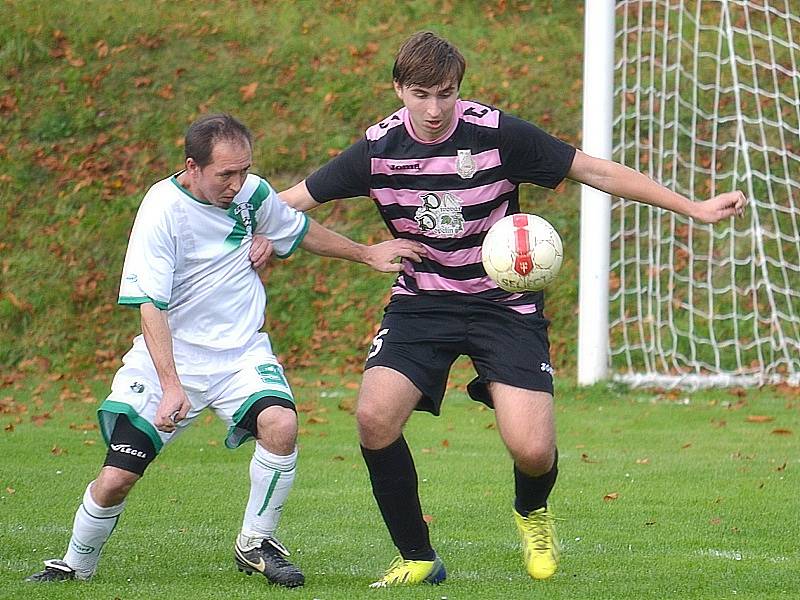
point(94, 110)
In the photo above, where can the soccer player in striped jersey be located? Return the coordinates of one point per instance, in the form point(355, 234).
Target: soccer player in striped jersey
point(188, 271)
point(441, 171)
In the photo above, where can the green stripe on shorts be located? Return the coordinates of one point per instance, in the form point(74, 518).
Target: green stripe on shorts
point(107, 416)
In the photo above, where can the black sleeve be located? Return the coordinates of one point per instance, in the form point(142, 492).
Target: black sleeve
point(532, 155)
point(346, 176)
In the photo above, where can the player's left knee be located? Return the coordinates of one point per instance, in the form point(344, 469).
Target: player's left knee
point(535, 460)
point(277, 429)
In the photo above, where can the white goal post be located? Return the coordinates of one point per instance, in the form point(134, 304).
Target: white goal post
point(704, 97)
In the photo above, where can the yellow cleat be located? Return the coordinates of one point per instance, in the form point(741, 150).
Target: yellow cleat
point(412, 572)
point(539, 542)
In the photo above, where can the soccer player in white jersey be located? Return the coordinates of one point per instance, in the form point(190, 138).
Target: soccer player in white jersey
point(442, 170)
point(188, 270)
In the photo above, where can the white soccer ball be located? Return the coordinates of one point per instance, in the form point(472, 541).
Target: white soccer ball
point(522, 253)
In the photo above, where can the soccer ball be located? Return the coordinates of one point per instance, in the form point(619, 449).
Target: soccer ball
point(522, 253)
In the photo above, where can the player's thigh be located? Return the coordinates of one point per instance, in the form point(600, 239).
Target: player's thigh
point(417, 342)
point(136, 394)
point(526, 423)
point(256, 388)
point(510, 348)
point(385, 402)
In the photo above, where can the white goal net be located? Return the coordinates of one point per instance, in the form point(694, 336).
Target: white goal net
point(706, 99)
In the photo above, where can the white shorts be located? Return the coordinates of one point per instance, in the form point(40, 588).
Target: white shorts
point(228, 383)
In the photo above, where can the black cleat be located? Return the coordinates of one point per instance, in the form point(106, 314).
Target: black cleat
point(269, 559)
point(54, 570)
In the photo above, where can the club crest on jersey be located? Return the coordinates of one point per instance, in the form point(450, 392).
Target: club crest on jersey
point(242, 212)
point(465, 164)
point(440, 214)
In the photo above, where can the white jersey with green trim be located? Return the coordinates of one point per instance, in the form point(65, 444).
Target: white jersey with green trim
point(191, 258)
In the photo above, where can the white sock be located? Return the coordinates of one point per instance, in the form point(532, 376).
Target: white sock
point(92, 527)
point(271, 479)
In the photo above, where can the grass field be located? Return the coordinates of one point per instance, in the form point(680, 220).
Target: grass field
point(659, 496)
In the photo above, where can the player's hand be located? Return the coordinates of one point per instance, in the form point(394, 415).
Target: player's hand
point(172, 409)
point(719, 207)
point(260, 252)
point(382, 256)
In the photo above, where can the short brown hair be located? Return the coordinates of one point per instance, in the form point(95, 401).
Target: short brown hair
point(427, 60)
point(206, 131)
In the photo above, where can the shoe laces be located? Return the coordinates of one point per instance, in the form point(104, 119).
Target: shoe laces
point(276, 553)
point(538, 525)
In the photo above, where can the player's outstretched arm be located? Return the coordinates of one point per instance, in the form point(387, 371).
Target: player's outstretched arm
point(298, 197)
point(381, 257)
point(625, 182)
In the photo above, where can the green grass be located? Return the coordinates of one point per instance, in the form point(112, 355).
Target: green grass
point(92, 105)
point(706, 502)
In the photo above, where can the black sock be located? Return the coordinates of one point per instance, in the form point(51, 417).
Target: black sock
point(532, 492)
point(394, 485)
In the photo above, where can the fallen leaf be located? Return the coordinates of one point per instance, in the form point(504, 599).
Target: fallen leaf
point(316, 420)
point(427, 518)
point(102, 49)
point(610, 497)
point(248, 91)
point(642, 461)
point(56, 451)
point(10, 490)
point(166, 92)
point(782, 431)
point(585, 458)
point(759, 419)
point(338, 457)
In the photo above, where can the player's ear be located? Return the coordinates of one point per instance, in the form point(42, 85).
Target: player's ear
point(398, 89)
point(191, 166)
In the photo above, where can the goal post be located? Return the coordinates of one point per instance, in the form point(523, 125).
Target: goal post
point(598, 81)
point(705, 98)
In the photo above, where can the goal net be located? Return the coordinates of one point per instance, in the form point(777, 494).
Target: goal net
point(706, 99)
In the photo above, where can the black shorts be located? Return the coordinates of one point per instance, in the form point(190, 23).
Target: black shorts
point(421, 337)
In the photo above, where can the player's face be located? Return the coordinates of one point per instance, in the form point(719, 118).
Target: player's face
point(220, 180)
point(431, 108)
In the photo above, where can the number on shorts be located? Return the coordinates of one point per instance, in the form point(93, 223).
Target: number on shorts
point(377, 343)
point(271, 373)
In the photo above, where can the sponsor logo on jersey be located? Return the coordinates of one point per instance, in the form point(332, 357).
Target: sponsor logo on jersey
point(547, 368)
point(415, 166)
point(465, 164)
point(137, 387)
point(440, 214)
point(128, 449)
point(133, 278)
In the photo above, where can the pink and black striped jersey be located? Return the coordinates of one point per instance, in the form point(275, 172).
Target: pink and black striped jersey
point(446, 194)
